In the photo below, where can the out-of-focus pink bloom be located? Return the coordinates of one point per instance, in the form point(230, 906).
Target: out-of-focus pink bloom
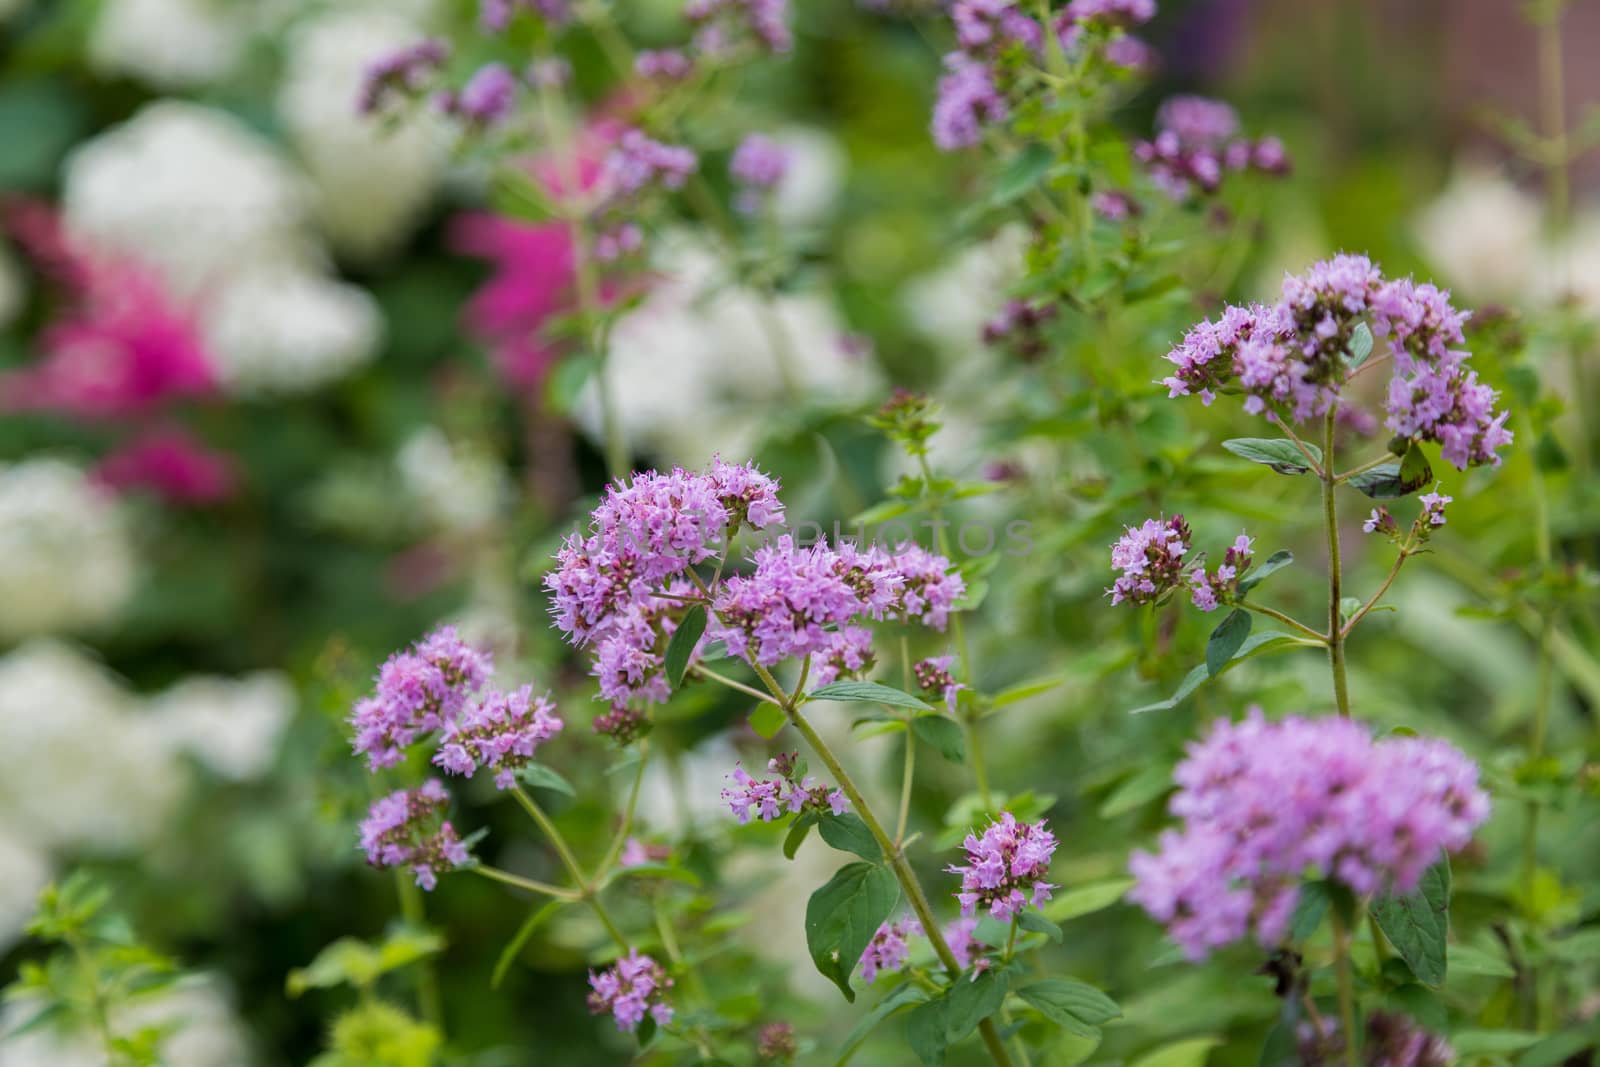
point(122, 347)
point(173, 464)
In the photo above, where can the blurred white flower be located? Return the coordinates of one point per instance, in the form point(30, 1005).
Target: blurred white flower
point(694, 366)
point(24, 871)
point(455, 487)
point(814, 176)
point(65, 558)
point(1573, 268)
point(373, 179)
point(170, 44)
point(189, 190)
point(950, 304)
point(203, 1031)
point(281, 328)
point(1482, 235)
point(84, 769)
point(232, 726)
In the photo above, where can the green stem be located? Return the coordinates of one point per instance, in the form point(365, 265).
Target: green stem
point(905, 786)
point(969, 724)
point(1361, 613)
point(414, 911)
point(1371, 464)
point(620, 840)
point(723, 679)
point(1330, 518)
point(1347, 998)
point(495, 874)
point(98, 1010)
point(570, 861)
point(1287, 620)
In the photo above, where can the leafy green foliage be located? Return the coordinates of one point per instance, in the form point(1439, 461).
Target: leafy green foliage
point(842, 916)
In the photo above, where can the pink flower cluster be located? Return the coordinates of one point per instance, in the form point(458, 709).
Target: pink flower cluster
point(1265, 803)
point(407, 829)
point(169, 461)
point(665, 64)
point(889, 948)
point(960, 935)
point(803, 601)
point(499, 733)
point(1150, 557)
point(968, 100)
point(1196, 144)
point(633, 987)
point(418, 692)
point(724, 23)
point(1006, 867)
point(757, 167)
point(1120, 13)
point(401, 75)
point(487, 99)
point(772, 798)
point(1221, 585)
point(934, 678)
point(1289, 358)
point(495, 15)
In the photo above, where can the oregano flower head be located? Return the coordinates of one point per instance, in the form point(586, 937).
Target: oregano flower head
point(635, 986)
point(1006, 868)
point(407, 829)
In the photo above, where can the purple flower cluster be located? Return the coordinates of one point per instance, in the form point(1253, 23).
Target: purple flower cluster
point(964, 945)
point(934, 678)
point(1150, 557)
point(757, 167)
point(723, 23)
point(495, 15)
point(1265, 803)
point(633, 987)
point(1114, 205)
point(642, 541)
point(1006, 868)
point(407, 829)
point(1289, 357)
point(418, 692)
point(486, 100)
point(968, 101)
point(499, 733)
point(1119, 13)
point(1196, 144)
point(663, 65)
point(889, 948)
point(403, 74)
point(802, 602)
point(639, 161)
point(772, 798)
point(1019, 326)
point(985, 28)
point(1433, 508)
point(1221, 585)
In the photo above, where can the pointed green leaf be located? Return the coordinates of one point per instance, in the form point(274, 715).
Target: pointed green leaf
point(1360, 345)
point(1035, 923)
point(798, 830)
point(1088, 899)
point(1271, 565)
point(890, 1005)
point(848, 833)
point(842, 916)
point(1279, 453)
point(943, 733)
point(869, 692)
point(767, 720)
point(1073, 1005)
point(1226, 639)
point(541, 777)
point(1254, 645)
point(684, 638)
point(1419, 923)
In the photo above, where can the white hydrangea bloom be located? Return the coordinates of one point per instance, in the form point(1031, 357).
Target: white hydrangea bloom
point(24, 871)
point(282, 329)
point(191, 191)
point(13, 285)
point(457, 488)
point(170, 44)
point(232, 726)
point(693, 366)
point(84, 769)
point(204, 1031)
point(1482, 234)
point(66, 561)
point(374, 179)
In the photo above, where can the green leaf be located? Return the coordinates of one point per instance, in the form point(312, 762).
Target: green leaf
point(1073, 1005)
point(1226, 639)
point(681, 647)
point(848, 833)
point(1191, 1052)
point(970, 1001)
point(1271, 565)
point(1025, 171)
point(1035, 923)
point(1464, 959)
point(1388, 481)
point(541, 777)
point(943, 733)
point(903, 997)
point(1360, 345)
point(1137, 790)
point(1309, 910)
point(1415, 473)
point(1023, 690)
point(842, 916)
point(515, 193)
point(925, 1032)
point(767, 720)
point(797, 833)
point(868, 692)
point(1254, 645)
point(508, 955)
point(1419, 923)
point(1276, 452)
point(1088, 899)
